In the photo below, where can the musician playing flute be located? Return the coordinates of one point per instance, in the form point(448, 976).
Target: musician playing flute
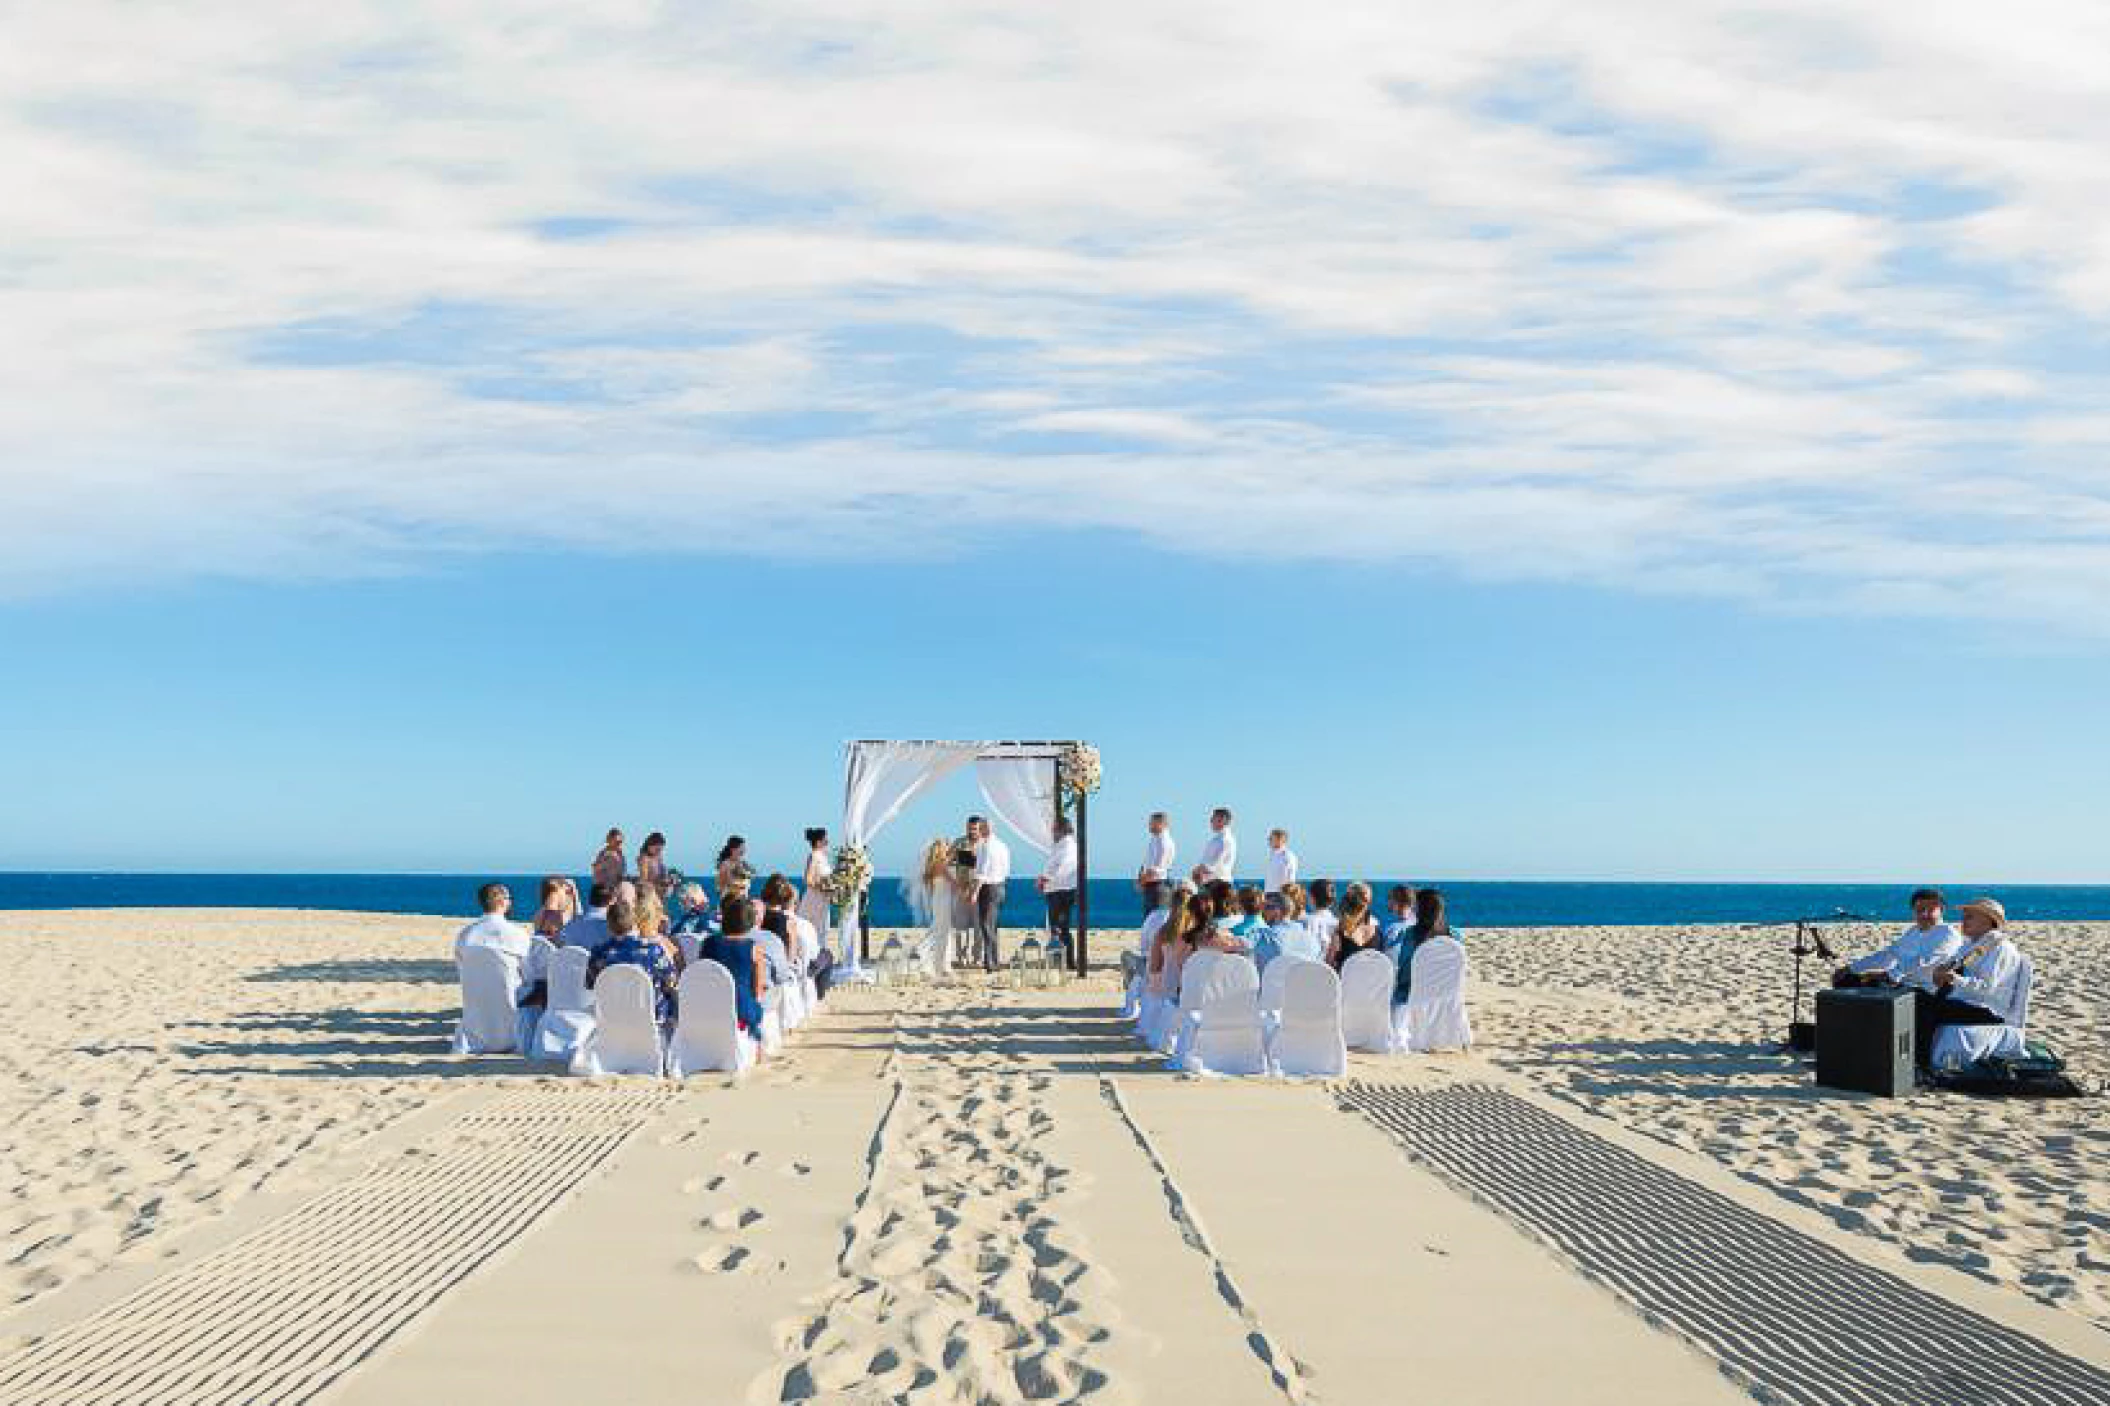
point(1982, 985)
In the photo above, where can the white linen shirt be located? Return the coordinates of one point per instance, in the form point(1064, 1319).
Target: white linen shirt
point(992, 861)
point(1994, 982)
point(1910, 961)
point(1281, 869)
point(1060, 874)
point(1158, 854)
point(1220, 855)
point(508, 938)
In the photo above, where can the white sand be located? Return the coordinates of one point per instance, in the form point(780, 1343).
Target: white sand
point(969, 1194)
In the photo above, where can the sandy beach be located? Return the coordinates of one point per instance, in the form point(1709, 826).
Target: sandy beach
point(958, 1193)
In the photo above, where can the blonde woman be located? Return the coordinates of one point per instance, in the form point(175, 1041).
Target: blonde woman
point(930, 897)
point(652, 922)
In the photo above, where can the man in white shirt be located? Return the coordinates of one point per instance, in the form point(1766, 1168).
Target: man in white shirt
point(1319, 919)
point(1982, 985)
point(1158, 854)
point(1281, 863)
point(1912, 958)
point(1058, 885)
point(1220, 854)
point(495, 930)
point(992, 870)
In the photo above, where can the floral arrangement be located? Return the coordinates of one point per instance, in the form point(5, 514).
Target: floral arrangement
point(1077, 770)
point(851, 876)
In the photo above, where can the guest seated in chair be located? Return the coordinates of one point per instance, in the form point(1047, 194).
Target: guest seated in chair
point(590, 929)
point(1982, 985)
point(1281, 935)
point(1430, 921)
point(1912, 958)
point(736, 950)
point(495, 929)
point(625, 948)
point(698, 915)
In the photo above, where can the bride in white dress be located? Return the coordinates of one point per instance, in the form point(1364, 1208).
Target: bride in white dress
point(813, 896)
point(929, 893)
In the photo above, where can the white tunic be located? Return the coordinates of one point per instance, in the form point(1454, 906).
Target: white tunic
point(1220, 855)
point(992, 861)
point(1994, 981)
point(1281, 869)
point(1158, 854)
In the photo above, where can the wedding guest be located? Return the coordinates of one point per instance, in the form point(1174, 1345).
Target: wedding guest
point(1058, 884)
point(1281, 935)
point(813, 904)
point(1223, 901)
point(1205, 928)
point(780, 930)
point(734, 948)
point(652, 865)
point(558, 905)
point(992, 872)
point(1220, 852)
point(696, 909)
point(624, 948)
point(1430, 920)
point(1400, 902)
point(1247, 920)
point(1318, 913)
point(1981, 985)
point(1281, 861)
point(1158, 854)
point(609, 864)
point(652, 922)
point(1298, 900)
point(1355, 930)
point(590, 929)
point(1173, 944)
point(497, 931)
point(734, 872)
point(1910, 960)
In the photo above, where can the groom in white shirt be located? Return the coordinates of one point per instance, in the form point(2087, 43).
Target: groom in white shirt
point(992, 870)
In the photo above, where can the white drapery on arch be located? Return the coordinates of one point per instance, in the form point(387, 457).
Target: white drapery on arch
point(1017, 780)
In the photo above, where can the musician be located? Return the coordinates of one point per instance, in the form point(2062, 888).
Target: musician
point(1911, 960)
point(1982, 985)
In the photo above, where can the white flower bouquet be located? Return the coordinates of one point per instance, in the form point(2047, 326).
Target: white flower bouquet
point(851, 877)
point(1077, 770)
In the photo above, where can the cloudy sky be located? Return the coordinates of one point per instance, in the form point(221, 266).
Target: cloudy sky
point(1356, 347)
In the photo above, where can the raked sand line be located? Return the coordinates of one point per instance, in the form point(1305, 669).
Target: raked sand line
point(283, 1313)
point(1796, 1318)
point(955, 1283)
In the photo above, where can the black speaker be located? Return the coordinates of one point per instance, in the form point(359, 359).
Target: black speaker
point(1864, 1040)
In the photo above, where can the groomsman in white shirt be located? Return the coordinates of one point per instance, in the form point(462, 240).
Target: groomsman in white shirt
point(1281, 862)
point(1158, 854)
point(1220, 854)
point(1058, 885)
point(992, 871)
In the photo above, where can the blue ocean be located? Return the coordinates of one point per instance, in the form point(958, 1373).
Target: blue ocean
point(1114, 902)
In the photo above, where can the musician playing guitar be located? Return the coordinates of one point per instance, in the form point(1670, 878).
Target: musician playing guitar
point(1980, 986)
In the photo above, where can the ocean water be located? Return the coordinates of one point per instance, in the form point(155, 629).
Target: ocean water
point(1114, 902)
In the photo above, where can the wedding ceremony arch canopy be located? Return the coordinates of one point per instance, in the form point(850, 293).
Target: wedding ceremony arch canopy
point(1019, 780)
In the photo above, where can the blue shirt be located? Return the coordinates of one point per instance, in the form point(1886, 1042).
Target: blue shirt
point(1396, 932)
point(635, 951)
point(1288, 938)
point(696, 920)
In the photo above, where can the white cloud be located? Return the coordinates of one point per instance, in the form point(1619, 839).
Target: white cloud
point(1804, 308)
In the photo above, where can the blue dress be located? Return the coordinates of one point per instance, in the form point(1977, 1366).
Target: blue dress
point(737, 955)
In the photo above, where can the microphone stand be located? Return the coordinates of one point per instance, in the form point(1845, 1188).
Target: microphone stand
point(1809, 942)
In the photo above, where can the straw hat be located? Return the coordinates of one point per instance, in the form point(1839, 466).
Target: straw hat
point(1991, 908)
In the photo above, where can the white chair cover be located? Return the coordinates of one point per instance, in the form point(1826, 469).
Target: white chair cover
point(1436, 1018)
point(491, 1019)
point(1227, 1038)
point(1271, 983)
point(707, 1031)
point(792, 1004)
point(1175, 1018)
point(1958, 1046)
point(625, 1036)
point(1308, 1040)
point(1366, 1001)
point(773, 1020)
point(567, 1019)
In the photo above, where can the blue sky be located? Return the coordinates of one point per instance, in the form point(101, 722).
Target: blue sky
point(1615, 443)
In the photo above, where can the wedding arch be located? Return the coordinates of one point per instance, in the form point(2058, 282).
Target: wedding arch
point(1028, 785)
